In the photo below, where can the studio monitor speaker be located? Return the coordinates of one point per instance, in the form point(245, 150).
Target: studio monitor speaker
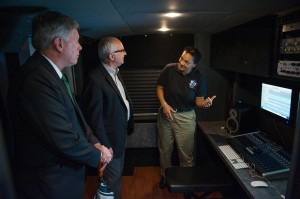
point(241, 120)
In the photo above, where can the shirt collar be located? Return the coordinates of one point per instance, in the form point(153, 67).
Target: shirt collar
point(111, 70)
point(59, 73)
point(193, 71)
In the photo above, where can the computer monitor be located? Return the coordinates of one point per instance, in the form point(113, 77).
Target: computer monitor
point(276, 100)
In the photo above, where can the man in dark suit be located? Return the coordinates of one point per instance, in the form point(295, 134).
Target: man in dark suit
point(53, 142)
point(108, 109)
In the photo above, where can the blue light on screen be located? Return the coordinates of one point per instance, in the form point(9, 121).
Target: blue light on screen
point(276, 99)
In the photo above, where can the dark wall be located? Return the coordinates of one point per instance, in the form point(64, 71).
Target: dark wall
point(9, 63)
point(143, 51)
point(293, 181)
point(149, 51)
point(89, 55)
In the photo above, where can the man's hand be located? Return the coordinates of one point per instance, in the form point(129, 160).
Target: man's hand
point(168, 111)
point(208, 101)
point(106, 154)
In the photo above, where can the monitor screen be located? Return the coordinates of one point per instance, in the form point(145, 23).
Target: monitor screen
point(276, 99)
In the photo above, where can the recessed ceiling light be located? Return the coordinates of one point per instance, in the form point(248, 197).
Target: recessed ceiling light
point(164, 29)
point(172, 14)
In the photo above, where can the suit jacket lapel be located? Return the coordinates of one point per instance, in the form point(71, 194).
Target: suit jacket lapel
point(121, 80)
point(51, 70)
point(112, 82)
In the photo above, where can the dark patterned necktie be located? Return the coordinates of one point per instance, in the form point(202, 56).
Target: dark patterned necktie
point(64, 79)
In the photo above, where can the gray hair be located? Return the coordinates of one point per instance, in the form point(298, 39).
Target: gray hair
point(105, 46)
point(49, 25)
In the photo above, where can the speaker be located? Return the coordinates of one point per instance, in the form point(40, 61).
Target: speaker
point(241, 120)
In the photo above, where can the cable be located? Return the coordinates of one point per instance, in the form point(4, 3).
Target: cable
point(258, 176)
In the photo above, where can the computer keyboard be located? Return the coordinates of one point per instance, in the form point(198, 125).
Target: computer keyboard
point(236, 161)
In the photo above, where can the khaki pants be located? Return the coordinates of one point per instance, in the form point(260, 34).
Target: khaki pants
point(181, 130)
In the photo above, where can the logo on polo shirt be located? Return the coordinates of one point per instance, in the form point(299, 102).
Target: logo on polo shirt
point(193, 84)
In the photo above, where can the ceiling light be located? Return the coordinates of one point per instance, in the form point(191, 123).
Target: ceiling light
point(164, 29)
point(172, 14)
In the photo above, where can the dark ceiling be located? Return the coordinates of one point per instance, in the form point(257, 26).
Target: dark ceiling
point(99, 18)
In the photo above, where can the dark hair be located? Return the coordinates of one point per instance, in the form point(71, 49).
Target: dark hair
point(194, 52)
point(49, 25)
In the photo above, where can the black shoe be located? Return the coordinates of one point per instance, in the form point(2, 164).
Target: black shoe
point(162, 183)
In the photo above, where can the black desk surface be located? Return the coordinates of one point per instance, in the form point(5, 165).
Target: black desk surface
point(217, 137)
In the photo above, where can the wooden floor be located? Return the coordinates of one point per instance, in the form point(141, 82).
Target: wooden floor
point(142, 185)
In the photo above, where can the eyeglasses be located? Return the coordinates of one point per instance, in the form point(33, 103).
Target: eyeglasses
point(119, 51)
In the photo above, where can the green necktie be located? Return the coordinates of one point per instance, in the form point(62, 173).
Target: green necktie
point(64, 79)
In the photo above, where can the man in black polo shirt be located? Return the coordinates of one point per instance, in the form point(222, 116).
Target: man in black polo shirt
point(180, 88)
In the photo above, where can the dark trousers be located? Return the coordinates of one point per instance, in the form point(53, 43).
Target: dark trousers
point(50, 183)
point(113, 176)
